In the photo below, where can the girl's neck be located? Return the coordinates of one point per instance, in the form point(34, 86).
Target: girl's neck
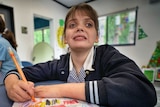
point(78, 59)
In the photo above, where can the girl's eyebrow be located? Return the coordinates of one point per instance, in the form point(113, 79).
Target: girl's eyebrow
point(74, 19)
point(87, 19)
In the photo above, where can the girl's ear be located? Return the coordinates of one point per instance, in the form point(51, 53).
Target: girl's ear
point(65, 41)
point(97, 39)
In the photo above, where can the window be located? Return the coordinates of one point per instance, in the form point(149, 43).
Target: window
point(42, 35)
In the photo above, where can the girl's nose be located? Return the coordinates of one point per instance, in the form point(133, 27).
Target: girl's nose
point(79, 29)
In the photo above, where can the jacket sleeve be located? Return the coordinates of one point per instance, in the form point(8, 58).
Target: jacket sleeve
point(39, 72)
point(56, 69)
point(122, 84)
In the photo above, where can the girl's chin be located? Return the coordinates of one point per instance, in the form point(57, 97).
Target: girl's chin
point(82, 47)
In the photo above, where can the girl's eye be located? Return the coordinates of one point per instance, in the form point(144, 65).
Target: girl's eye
point(89, 25)
point(72, 25)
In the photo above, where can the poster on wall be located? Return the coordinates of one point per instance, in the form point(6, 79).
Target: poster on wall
point(119, 28)
point(7, 14)
point(60, 39)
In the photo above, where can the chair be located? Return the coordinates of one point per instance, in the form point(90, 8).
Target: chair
point(26, 63)
point(42, 52)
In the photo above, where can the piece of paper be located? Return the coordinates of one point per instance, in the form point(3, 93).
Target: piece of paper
point(54, 102)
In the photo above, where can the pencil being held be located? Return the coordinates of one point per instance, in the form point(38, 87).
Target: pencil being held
point(19, 68)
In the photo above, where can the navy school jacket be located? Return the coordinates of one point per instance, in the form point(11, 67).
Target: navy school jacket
point(116, 82)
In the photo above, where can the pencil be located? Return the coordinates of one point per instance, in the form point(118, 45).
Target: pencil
point(19, 68)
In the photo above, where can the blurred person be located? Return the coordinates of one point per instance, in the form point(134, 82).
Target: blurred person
point(7, 39)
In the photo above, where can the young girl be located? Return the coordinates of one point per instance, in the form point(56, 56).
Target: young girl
point(100, 75)
point(6, 40)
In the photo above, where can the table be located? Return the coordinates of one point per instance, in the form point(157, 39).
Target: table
point(4, 100)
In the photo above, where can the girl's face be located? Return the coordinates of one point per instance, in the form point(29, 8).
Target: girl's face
point(80, 32)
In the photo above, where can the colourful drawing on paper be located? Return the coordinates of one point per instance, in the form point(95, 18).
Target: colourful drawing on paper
point(54, 102)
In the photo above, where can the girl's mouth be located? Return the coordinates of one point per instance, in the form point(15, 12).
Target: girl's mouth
point(79, 37)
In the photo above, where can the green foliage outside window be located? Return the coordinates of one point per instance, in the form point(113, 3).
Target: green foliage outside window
point(42, 35)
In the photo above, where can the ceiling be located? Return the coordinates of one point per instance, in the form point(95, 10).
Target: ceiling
point(70, 3)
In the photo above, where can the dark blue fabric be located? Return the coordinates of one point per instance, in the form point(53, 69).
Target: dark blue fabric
point(120, 81)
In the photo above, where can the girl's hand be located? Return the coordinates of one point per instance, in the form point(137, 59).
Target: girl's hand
point(18, 90)
point(48, 91)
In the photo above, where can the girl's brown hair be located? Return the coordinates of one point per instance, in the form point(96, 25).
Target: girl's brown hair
point(2, 25)
point(7, 34)
point(84, 9)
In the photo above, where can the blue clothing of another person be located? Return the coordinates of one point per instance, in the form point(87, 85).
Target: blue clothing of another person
point(7, 63)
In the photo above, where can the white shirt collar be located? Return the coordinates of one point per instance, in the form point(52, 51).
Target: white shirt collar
point(88, 62)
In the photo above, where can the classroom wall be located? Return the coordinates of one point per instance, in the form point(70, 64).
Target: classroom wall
point(148, 18)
